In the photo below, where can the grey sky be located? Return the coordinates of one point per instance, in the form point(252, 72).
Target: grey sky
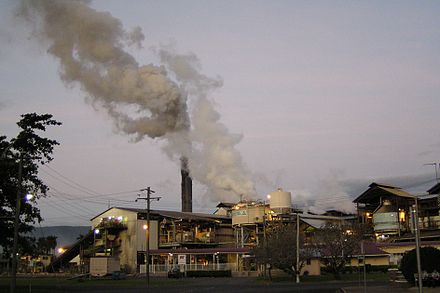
point(325, 93)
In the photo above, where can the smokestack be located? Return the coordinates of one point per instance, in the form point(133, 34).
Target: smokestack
point(186, 186)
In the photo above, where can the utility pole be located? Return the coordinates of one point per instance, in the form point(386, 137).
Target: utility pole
point(365, 265)
point(16, 224)
point(297, 247)
point(148, 191)
point(417, 237)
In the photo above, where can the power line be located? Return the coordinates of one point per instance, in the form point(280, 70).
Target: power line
point(70, 180)
point(64, 210)
point(79, 205)
point(67, 183)
point(81, 187)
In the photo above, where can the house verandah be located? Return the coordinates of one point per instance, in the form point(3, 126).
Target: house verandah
point(200, 259)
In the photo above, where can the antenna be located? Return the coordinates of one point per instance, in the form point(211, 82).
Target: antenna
point(435, 168)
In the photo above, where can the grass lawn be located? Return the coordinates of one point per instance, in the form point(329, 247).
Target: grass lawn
point(376, 276)
point(59, 284)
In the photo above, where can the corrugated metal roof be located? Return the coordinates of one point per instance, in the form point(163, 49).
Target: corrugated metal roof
point(173, 214)
point(397, 192)
point(435, 189)
point(202, 250)
point(226, 205)
point(315, 223)
point(377, 190)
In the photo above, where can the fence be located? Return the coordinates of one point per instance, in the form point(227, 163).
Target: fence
point(190, 267)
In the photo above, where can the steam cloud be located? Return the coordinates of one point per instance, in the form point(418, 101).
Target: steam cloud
point(90, 48)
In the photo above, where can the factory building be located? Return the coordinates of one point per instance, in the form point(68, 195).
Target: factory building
point(191, 241)
point(389, 212)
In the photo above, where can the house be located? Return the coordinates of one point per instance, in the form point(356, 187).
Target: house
point(373, 255)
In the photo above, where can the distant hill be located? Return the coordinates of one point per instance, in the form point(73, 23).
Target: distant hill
point(66, 235)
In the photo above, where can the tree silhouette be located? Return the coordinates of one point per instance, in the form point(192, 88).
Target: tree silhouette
point(26, 152)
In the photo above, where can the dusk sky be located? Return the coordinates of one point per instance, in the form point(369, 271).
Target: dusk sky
point(328, 96)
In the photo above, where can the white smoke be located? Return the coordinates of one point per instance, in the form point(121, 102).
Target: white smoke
point(90, 48)
point(213, 160)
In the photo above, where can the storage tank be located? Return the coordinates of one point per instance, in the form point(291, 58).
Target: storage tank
point(280, 201)
point(386, 218)
point(248, 213)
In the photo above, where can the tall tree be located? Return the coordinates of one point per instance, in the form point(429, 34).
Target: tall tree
point(337, 243)
point(46, 245)
point(279, 247)
point(23, 154)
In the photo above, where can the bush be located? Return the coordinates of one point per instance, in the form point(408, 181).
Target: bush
point(430, 261)
point(195, 274)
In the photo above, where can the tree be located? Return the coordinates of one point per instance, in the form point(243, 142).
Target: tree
point(336, 245)
point(429, 259)
point(46, 245)
point(24, 153)
point(279, 248)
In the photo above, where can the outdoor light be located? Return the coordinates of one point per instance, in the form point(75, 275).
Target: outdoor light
point(145, 226)
point(96, 231)
point(29, 196)
point(61, 250)
point(120, 218)
point(402, 215)
point(268, 196)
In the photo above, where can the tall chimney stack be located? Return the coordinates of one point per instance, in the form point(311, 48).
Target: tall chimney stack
point(186, 186)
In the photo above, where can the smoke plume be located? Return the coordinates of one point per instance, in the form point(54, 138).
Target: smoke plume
point(143, 100)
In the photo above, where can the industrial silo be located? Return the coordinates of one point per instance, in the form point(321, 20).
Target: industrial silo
point(386, 218)
point(280, 201)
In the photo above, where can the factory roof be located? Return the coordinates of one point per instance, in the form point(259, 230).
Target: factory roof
point(226, 205)
point(377, 190)
point(173, 214)
point(434, 189)
point(202, 250)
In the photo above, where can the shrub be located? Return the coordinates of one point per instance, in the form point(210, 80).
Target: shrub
point(430, 261)
point(195, 274)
